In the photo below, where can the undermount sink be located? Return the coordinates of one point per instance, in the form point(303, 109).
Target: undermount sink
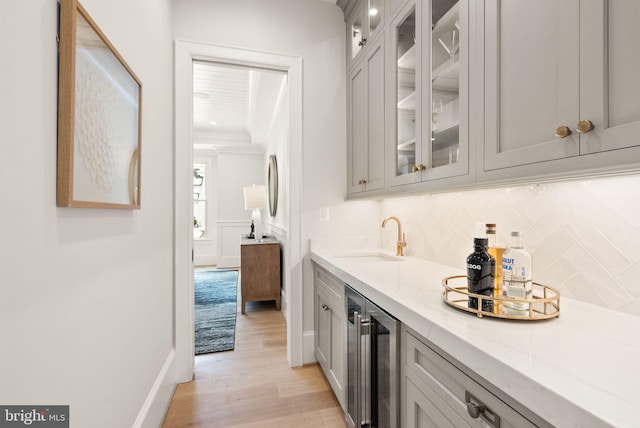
point(368, 257)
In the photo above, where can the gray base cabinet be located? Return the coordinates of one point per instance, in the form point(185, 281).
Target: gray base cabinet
point(330, 329)
point(437, 393)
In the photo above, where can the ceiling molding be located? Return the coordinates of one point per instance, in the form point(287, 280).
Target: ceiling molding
point(346, 5)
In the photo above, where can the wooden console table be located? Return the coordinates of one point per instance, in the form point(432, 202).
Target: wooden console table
point(260, 270)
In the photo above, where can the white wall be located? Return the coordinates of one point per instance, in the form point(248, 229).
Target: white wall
point(235, 171)
point(584, 235)
point(229, 170)
point(276, 144)
point(85, 294)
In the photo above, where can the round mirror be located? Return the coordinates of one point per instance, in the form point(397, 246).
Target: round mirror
point(272, 175)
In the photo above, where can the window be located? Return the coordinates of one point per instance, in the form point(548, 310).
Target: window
point(199, 201)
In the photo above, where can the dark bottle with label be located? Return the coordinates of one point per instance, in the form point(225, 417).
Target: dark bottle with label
point(481, 274)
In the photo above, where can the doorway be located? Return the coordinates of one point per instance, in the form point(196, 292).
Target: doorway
point(185, 53)
point(240, 121)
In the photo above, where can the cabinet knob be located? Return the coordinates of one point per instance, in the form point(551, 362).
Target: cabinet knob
point(563, 131)
point(475, 410)
point(419, 167)
point(584, 126)
point(362, 42)
point(362, 181)
point(325, 307)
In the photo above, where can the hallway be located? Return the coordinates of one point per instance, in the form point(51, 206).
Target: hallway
point(253, 385)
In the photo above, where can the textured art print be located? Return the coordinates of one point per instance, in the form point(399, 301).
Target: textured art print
point(99, 118)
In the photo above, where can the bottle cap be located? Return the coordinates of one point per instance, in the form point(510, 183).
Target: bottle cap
point(515, 233)
point(491, 228)
point(480, 241)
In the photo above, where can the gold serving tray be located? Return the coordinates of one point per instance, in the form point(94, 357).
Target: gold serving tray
point(544, 304)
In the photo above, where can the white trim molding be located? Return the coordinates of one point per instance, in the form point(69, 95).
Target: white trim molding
point(155, 406)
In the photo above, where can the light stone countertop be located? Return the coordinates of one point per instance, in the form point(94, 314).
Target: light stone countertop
point(578, 370)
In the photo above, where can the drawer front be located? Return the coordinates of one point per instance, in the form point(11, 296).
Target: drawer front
point(435, 375)
point(429, 411)
point(332, 284)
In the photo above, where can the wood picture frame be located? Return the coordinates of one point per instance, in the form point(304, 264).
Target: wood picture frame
point(99, 118)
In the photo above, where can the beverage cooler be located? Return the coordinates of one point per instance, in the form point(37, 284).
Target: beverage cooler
point(373, 366)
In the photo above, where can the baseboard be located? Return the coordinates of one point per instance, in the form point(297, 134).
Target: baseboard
point(228, 262)
point(157, 403)
point(205, 260)
point(309, 344)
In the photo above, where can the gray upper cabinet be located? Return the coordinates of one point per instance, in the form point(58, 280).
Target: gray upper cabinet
point(428, 92)
point(366, 124)
point(531, 84)
point(609, 78)
point(492, 91)
point(561, 88)
point(364, 23)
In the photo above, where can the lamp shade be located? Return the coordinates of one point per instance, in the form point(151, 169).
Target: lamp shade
point(255, 197)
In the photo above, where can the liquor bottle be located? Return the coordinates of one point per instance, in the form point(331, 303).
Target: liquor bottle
point(496, 250)
point(517, 278)
point(481, 271)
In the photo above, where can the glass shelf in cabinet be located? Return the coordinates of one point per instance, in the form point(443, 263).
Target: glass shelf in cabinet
point(408, 59)
point(408, 102)
point(446, 75)
point(407, 145)
point(446, 137)
point(447, 22)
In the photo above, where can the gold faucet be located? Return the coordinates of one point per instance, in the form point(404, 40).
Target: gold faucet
point(401, 242)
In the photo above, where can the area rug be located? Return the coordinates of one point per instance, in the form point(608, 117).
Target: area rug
point(215, 310)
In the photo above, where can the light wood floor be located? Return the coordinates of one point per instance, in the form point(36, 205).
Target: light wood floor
point(253, 385)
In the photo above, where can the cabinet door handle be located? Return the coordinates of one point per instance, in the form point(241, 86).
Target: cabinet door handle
point(362, 42)
point(477, 409)
point(325, 307)
point(419, 167)
point(357, 348)
point(584, 126)
point(563, 131)
point(363, 181)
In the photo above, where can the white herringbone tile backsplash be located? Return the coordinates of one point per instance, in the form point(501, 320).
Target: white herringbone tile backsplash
point(584, 236)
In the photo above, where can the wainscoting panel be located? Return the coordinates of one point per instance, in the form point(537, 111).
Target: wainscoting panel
point(229, 238)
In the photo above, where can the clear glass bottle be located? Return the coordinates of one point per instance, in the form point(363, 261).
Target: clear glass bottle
point(517, 276)
point(481, 271)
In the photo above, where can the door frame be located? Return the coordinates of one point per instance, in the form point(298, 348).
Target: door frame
point(185, 53)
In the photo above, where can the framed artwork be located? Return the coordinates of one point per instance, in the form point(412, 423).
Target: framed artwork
point(99, 117)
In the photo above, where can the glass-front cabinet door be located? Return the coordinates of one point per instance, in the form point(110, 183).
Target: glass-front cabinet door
point(364, 23)
point(406, 54)
point(429, 42)
point(445, 88)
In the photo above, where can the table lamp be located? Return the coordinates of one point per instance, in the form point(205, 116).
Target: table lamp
point(255, 198)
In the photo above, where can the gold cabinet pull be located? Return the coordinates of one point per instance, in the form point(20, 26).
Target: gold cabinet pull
point(563, 131)
point(362, 181)
point(419, 167)
point(584, 126)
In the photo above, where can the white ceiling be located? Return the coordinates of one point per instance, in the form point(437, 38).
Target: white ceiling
point(234, 105)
